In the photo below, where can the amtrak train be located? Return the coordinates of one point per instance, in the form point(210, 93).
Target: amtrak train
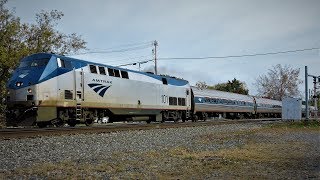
point(49, 89)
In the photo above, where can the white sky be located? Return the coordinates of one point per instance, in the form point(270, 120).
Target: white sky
point(193, 28)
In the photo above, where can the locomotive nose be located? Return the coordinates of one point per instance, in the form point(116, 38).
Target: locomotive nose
point(23, 78)
point(22, 84)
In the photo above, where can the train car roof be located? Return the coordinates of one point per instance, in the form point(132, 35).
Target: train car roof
point(221, 94)
point(268, 101)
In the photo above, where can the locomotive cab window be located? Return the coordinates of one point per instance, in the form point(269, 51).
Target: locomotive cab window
point(34, 63)
point(64, 63)
point(102, 70)
point(93, 69)
point(124, 74)
point(164, 81)
point(111, 72)
point(116, 73)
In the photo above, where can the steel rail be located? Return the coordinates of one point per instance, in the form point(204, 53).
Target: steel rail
point(14, 133)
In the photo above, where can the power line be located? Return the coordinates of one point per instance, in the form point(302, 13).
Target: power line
point(240, 56)
point(135, 63)
point(121, 48)
point(224, 57)
point(115, 51)
point(127, 59)
point(125, 45)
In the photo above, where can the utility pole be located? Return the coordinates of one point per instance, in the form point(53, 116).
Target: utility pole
point(155, 43)
point(315, 97)
point(306, 83)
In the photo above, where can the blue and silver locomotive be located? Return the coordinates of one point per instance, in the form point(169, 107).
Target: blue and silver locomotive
point(52, 89)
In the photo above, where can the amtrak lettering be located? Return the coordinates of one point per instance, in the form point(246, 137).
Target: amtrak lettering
point(101, 81)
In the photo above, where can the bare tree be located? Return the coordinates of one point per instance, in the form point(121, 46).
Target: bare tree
point(279, 82)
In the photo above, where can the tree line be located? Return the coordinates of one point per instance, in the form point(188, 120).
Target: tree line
point(18, 40)
point(279, 82)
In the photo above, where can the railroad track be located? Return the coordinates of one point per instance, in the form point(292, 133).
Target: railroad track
point(13, 133)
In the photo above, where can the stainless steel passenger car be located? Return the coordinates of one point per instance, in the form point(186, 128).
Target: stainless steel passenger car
point(213, 103)
point(268, 107)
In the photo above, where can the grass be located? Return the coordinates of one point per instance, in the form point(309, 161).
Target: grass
point(309, 125)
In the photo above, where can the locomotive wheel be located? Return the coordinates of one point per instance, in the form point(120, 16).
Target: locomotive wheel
point(164, 117)
point(175, 119)
point(89, 122)
point(205, 116)
point(41, 124)
point(183, 117)
point(195, 118)
point(72, 122)
point(58, 122)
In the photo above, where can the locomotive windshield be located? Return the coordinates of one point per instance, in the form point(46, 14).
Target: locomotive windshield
point(34, 63)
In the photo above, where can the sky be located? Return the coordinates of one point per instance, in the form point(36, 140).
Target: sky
point(192, 28)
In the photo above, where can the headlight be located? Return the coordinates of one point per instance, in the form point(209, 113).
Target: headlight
point(19, 84)
point(29, 90)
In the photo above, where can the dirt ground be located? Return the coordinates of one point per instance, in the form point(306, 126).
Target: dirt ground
point(278, 151)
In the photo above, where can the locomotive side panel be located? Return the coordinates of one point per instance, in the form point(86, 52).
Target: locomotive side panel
point(136, 94)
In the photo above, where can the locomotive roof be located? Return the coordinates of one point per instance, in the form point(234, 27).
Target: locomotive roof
point(268, 101)
point(78, 63)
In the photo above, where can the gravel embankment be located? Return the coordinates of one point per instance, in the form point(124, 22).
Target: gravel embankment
point(221, 151)
point(92, 148)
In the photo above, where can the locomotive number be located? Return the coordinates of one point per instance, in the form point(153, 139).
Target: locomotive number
point(164, 99)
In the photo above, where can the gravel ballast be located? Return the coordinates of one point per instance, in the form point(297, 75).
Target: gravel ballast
point(131, 146)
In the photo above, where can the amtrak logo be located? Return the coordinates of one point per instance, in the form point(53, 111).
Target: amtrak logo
point(99, 88)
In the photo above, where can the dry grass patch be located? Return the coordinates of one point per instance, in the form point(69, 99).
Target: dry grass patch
point(221, 138)
point(264, 152)
point(66, 170)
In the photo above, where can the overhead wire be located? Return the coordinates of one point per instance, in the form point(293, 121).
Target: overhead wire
point(124, 45)
point(239, 56)
point(117, 49)
point(114, 51)
point(224, 57)
point(127, 59)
